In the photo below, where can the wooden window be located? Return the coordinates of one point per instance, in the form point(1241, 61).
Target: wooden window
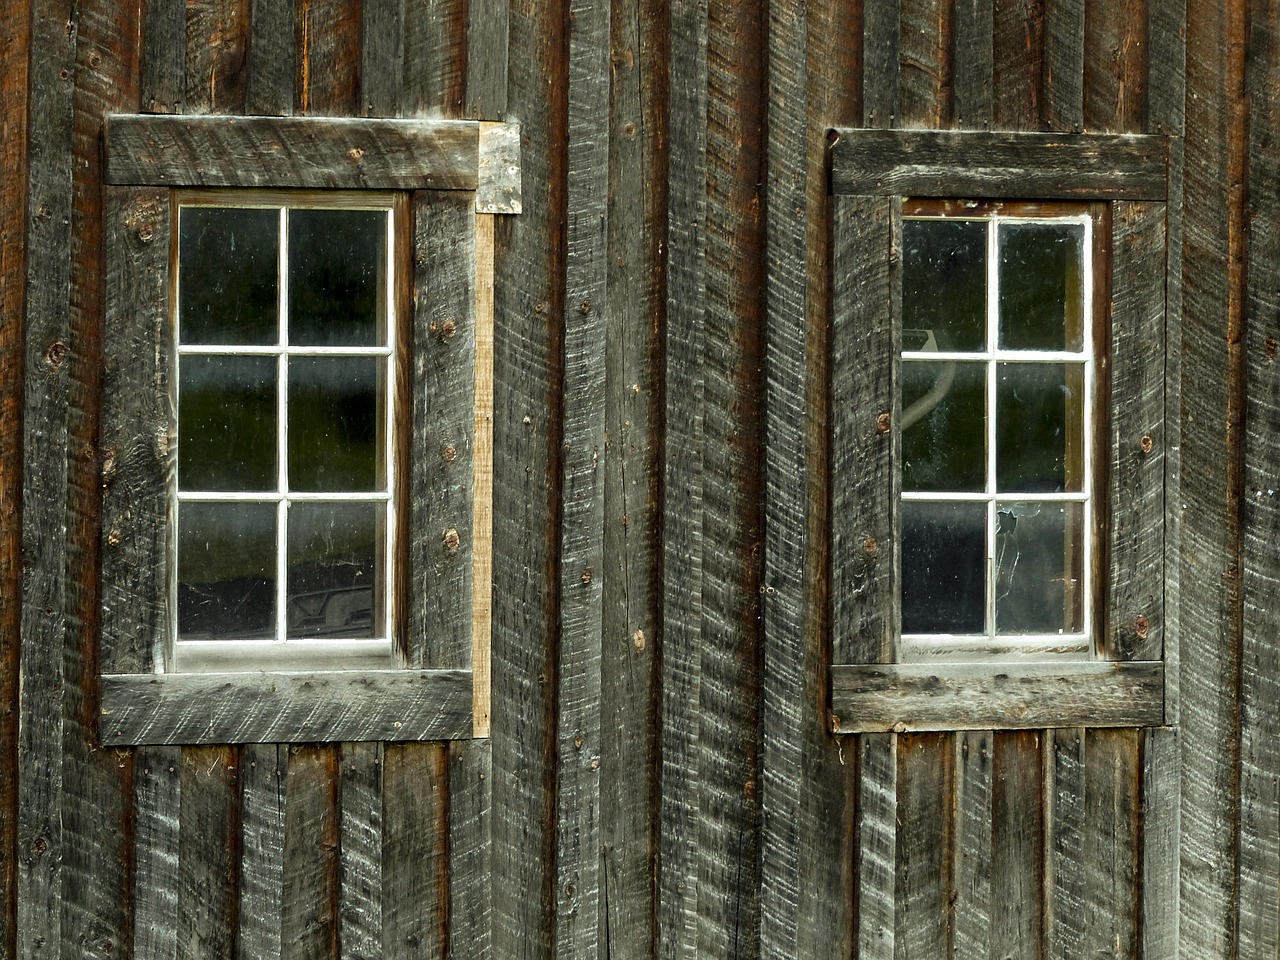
point(998, 531)
point(356, 422)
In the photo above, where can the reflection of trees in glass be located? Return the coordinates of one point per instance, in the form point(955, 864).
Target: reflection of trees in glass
point(228, 264)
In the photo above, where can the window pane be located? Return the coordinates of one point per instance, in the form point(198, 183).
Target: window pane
point(334, 424)
point(1039, 427)
point(228, 268)
point(944, 284)
point(944, 559)
point(944, 426)
point(335, 581)
point(227, 423)
point(335, 259)
point(226, 571)
point(1039, 554)
point(1041, 286)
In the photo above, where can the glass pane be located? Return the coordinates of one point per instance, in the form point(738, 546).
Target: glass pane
point(944, 559)
point(227, 423)
point(944, 426)
point(335, 260)
point(1041, 286)
point(226, 571)
point(227, 273)
point(334, 426)
point(944, 285)
point(1039, 558)
point(335, 579)
point(1039, 427)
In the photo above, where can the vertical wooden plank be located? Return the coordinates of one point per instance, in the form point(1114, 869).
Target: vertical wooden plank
point(1213, 353)
point(681, 516)
point(435, 58)
point(1136, 487)
point(863, 358)
point(631, 490)
point(1166, 66)
point(328, 59)
point(208, 834)
point(1115, 65)
point(923, 887)
point(414, 851)
point(876, 882)
point(444, 389)
point(164, 52)
point(487, 47)
point(1161, 806)
point(1110, 853)
point(471, 888)
point(881, 63)
point(216, 60)
point(360, 910)
point(482, 514)
point(1173, 438)
point(264, 768)
point(1017, 78)
point(1017, 859)
point(157, 803)
point(973, 64)
point(382, 58)
point(45, 403)
point(1064, 64)
point(924, 64)
point(1066, 910)
point(272, 58)
point(309, 903)
point(972, 835)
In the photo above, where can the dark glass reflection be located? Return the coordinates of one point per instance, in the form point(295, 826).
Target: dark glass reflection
point(944, 284)
point(335, 584)
point(944, 408)
point(1041, 286)
point(944, 553)
point(1038, 555)
point(227, 423)
point(335, 259)
point(1039, 427)
point(226, 571)
point(228, 265)
point(333, 424)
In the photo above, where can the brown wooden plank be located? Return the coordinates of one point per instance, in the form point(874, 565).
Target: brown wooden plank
point(382, 59)
point(264, 768)
point(470, 867)
point(137, 422)
point(1018, 74)
point(482, 515)
point(300, 152)
point(881, 63)
point(1115, 66)
point(360, 881)
point(1161, 806)
point(999, 165)
point(272, 58)
point(415, 895)
point(863, 360)
point(1136, 479)
point(973, 64)
point(979, 696)
point(328, 57)
point(925, 45)
point(875, 888)
point(164, 52)
point(487, 50)
point(216, 61)
point(1067, 906)
point(1166, 66)
point(441, 474)
point(1111, 849)
point(156, 876)
point(1064, 66)
point(435, 57)
point(208, 833)
point(286, 707)
point(971, 859)
point(1017, 858)
point(312, 838)
point(923, 884)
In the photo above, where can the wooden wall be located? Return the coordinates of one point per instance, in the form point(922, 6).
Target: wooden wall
point(658, 782)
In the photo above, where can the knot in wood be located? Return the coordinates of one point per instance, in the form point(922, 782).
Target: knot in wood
point(113, 538)
point(869, 546)
point(883, 423)
point(95, 59)
point(451, 539)
point(56, 354)
point(355, 153)
point(1271, 348)
point(450, 453)
point(1141, 626)
point(448, 329)
point(1146, 444)
point(584, 307)
point(146, 231)
point(586, 575)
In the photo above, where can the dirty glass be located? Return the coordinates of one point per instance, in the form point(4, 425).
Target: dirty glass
point(333, 571)
point(227, 270)
point(227, 571)
point(333, 424)
point(944, 550)
point(1038, 427)
point(944, 284)
point(1038, 550)
point(943, 420)
point(226, 423)
point(1041, 286)
point(334, 271)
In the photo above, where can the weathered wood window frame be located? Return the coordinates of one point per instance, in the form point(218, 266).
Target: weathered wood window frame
point(1120, 681)
point(453, 176)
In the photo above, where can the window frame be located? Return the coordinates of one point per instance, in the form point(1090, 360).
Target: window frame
point(1120, 681)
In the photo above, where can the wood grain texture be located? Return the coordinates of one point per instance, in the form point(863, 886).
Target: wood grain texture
point(1136, 478)
point(971, 907)
point(264, 769)
point(1069, 899)
point(415, 824)
point(441, 472)
point(1111, 850)
point(262, 707)
point(1018, 74)
point(272, 58)
point(1064, 64)
point(925, 44)
point(360, 860)
point(164, 52)
point(216, 61)
point(1173, 437)
point(1017, 858)
point(923, 883)
point(488, 24)
point(1116, 65)
point(301, 152)
point(208, 868)
point(999, 165)
point(881, 62)
point(382, 58)
point(863, 360)
point(968, 696)
point(973, 64)
point(482, 515)
point(471, 891)
point(1161, 806)
point(138, 426)
point(875, 887)
point(309, 905)
point(435, 58)
point(1166, 67)
point(327, 82)
point(156, 877)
